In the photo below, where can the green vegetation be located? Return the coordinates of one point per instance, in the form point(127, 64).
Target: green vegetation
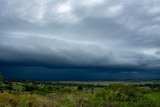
point(79, 94)
point(155, 96)
point(1, 78)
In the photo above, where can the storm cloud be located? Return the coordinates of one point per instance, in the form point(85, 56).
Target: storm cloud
point(86, 34)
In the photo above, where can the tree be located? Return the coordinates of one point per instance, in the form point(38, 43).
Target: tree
point(79, 87)
point(1, 82)
point(1, 78)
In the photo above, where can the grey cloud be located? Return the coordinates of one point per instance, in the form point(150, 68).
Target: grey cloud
point(87, 34)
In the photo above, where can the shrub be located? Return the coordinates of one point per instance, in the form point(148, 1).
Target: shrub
point(1, 78)
point(17, 87)
point(79, 87)
point(120, 92)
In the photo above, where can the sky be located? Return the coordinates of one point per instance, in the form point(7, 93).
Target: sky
point(80, 40)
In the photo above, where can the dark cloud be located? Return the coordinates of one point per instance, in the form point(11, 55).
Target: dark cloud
point(92, 34)
point(41, 73)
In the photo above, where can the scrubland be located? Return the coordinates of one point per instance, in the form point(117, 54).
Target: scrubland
point(79, 94)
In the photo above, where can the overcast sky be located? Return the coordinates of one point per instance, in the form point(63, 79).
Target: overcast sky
point(85, 34)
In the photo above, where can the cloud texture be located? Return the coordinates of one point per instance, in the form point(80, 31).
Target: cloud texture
point(88, 34)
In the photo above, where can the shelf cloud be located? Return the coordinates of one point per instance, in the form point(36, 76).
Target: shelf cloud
point(69, 34)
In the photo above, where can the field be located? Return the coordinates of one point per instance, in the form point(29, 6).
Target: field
point(79, 94)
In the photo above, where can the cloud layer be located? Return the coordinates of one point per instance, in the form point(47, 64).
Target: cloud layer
point(86, 34)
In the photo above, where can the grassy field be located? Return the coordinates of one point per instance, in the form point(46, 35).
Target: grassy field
point(79, 94)
point(155, 96)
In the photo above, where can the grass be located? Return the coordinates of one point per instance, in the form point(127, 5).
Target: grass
point(155, 96)
point(77, 94)
point(24, 100)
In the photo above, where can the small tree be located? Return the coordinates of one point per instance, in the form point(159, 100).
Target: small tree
point(79, 87)
point(1, 78)
point(1, 82)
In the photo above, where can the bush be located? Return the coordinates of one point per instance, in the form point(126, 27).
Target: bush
point(1, 78)
point(29, 87)
point(17, 87)
point(125, 93)
point(79, 87)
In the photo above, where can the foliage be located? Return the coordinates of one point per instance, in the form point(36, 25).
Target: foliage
point(39, 94)
point(17, 87)
point(1, 78)
point(79, 87)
